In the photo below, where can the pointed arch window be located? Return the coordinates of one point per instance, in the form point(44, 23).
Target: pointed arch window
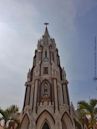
point(46, 54)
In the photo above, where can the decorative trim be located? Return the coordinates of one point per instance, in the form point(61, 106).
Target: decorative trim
point(42, 113)
point(33, 98)
point(23, 119)
point(63, 94)
point(29, 94)
point(57, 94)
point(68, 116)
point(67, 95)
point(25, 99)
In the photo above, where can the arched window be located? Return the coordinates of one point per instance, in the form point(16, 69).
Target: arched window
point(45, 126)
point(45, 54)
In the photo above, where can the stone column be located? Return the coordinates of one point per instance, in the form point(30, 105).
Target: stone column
point(60, 95)
point(27, 95)
point(55, 95)
point(65, 94)
point(35, 96)
point(59, 124)
point(25, 99)
point(31, 95)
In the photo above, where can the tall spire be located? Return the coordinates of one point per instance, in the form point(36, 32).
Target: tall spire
point(46, 33)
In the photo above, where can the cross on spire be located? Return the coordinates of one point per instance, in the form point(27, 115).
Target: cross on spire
point(46, 24)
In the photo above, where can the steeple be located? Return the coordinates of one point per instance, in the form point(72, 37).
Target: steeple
point(47, 103)
point(46, 33)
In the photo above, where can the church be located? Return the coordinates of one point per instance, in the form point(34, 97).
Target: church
point(47, 103)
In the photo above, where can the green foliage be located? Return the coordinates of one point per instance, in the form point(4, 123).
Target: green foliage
point(88, 112)
point(9, 115)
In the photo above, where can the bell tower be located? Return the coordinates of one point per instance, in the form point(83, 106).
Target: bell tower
point(46, 102)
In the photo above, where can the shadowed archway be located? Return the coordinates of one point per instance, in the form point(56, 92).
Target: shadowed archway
point(45, 126)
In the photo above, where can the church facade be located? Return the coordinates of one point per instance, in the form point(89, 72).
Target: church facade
point(46, 103)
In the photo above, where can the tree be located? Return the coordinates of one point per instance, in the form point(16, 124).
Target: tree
point(4, 117)
point(88, 111)
point(9, 116)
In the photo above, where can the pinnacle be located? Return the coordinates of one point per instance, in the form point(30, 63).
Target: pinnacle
point(46, 34)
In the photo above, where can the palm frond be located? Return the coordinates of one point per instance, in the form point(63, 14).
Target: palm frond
point(90, 109)
point(82, 105)
point(95, 111)
point(3, 113)
point(93, 102)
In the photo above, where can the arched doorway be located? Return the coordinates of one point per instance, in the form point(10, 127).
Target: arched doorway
point(45, 126)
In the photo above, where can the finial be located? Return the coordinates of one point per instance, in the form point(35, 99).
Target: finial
point(46, 24)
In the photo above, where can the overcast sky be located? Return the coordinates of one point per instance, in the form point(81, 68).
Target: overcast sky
point(73, 24)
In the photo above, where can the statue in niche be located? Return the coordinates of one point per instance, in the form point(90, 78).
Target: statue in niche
point(45, 90)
